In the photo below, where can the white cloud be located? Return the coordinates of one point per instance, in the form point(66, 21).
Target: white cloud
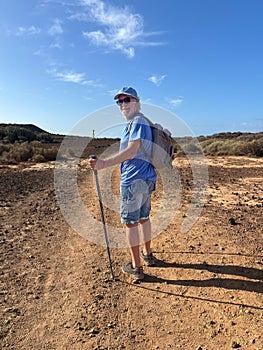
point(21, 31)
point(176, 101)
point(71, 77)
point(156, 80)
point(56, 28)
point(56, 45)
point(120, 29)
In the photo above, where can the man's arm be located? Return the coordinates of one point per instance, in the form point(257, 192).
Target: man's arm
point(128, 153)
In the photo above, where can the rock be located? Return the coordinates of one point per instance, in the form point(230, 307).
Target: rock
point(99, 296)
point(93, 331)
point(232, 221)
point(136, 282)
point(235, 345)
point(111, 325)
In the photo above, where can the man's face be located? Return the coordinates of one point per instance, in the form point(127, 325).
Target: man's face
point(128, 105)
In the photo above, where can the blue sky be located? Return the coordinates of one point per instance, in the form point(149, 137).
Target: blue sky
point(61, 60)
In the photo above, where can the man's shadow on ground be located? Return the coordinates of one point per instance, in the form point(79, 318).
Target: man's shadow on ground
point(226, 283)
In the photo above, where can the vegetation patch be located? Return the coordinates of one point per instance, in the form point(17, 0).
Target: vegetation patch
point(27, 142)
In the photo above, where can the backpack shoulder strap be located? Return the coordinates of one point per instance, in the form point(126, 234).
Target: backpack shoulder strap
point(146, 118)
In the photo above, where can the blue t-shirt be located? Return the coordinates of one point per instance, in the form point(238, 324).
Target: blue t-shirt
point(137, 168)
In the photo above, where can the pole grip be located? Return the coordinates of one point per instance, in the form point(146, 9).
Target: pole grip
point(93, 157)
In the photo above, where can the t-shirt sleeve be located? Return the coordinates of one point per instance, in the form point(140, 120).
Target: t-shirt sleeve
point(138, 129)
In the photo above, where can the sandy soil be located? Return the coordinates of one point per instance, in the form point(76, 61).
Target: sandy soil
point(206, 293)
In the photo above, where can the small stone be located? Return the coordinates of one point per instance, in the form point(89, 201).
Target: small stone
point(99, 296)
point(232, 221)
point(136, 282)
point(235, 345)
point(93, 331)
point(111, 325)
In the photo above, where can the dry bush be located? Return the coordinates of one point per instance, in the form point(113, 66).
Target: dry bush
point(213, 148)
point(6, 158)
point(21, 153)
point(251, 148)
point(35, 143)
point(50, 154)
point(190, 148)
point(233, 147)
point(4, 148)
point(38, 158)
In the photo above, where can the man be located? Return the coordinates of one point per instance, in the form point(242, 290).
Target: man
point(138, 179)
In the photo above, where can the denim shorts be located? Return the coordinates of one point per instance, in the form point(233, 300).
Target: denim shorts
point(135, 201)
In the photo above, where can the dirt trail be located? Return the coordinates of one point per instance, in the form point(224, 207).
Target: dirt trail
point(56, 291)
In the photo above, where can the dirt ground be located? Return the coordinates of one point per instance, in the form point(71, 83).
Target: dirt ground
point(206, 293)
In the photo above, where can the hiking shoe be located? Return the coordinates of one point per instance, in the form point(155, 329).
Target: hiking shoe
point(136, 273)
point(150, 260)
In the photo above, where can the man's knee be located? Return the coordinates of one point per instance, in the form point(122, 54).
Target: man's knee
point(143, 221)
point(131, 225)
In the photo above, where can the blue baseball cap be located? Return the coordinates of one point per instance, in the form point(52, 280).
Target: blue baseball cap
point(127, 91)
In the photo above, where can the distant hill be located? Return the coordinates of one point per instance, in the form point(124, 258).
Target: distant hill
point(11, 133)
point(221, 136)
point(30, 127)
point(224, 143)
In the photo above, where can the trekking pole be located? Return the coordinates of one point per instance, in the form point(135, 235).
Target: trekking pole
point(102, 216)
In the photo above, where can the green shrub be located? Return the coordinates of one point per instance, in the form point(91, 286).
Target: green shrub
point(213, 148)
point(206, 143)
point(25, 134)
point(11, 134)
point(44, 137)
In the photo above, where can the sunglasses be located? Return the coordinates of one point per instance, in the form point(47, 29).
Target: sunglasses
point(125, 100)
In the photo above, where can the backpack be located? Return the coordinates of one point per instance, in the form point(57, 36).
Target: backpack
point(162, 146)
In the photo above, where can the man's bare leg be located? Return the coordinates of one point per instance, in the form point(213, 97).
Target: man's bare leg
point(132, 232)
point(146, 236)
